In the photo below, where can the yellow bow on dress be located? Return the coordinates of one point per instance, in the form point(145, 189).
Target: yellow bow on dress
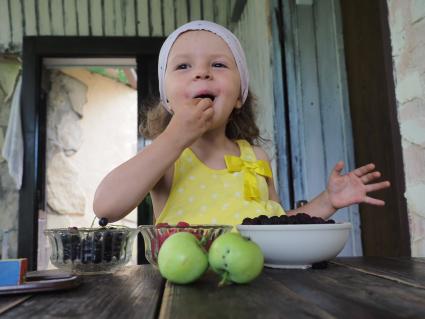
point(249, 169)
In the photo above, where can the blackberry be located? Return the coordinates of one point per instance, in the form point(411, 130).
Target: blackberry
point(248, 221)
point(300, 218)
point(263, 219)
point(274, 220)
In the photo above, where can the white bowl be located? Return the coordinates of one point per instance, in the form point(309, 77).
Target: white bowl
point(297, 246)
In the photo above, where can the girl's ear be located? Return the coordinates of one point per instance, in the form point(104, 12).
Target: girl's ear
point(238, 104)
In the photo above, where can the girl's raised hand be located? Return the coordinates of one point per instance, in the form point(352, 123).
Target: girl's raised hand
point(353, 187)
point(189, 122)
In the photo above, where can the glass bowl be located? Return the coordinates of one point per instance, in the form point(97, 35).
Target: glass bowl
point(154, 236)
point(91, 250)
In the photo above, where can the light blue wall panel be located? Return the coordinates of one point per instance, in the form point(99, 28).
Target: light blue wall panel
point(318, 106)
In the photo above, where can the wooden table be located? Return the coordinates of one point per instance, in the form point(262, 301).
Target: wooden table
point(364, 287)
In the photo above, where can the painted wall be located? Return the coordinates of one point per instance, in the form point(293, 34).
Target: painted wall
point(254, 32)
point(102, 17)
point(407, 25)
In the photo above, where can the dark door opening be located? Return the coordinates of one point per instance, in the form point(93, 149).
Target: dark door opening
point(32, 195)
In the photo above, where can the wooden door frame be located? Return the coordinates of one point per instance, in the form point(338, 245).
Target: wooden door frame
point(33, 113)
point(376, 132)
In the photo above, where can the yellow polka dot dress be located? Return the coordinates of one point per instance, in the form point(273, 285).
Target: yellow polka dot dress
point(201, 195)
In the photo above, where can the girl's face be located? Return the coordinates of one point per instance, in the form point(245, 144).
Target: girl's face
point(200, 64)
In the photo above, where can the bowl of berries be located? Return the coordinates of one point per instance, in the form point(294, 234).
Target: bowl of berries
point(91, 250)
point(297, 241)
point(155, 235)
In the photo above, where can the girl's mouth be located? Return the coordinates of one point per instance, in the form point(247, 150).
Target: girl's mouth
point(205, 96)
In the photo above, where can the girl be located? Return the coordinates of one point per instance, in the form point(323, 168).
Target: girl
point(204, 166)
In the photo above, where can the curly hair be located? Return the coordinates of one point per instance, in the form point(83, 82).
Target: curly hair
point(241, 125)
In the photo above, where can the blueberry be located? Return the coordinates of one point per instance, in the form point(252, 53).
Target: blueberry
point(75, 247)
point(86, 252)
point(66, 244)
point(103, 222)
point(107, 246)
point(117, 243)
point(97, 247)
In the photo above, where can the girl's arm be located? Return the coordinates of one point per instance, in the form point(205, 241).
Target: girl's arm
point(341, 191)
point(345, 190)
point(126, 186)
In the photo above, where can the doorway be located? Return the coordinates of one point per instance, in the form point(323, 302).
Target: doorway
point(144, 51)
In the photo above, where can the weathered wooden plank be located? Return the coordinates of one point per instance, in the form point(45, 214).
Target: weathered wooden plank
point(181, 12)
point(334, 108)
point(110, 23)
point(70, 11)
point(82, 7)
point(310, 120)
point(119, 26)
point(133, 292)
point(408, 270)
point(43, 18)
point(30, 17)
point(129, 18)
point(155, 18)
point(96, 24)
point(280, 109)
point(293, 96)
point(347, 293)
point(262, 298)
point(222, 8)
point(169, 16)
point(142, 17)
point(208, 10)
point(17, 22)
point(8, 302)
point(5, 34)
point(195, 10)
point(57, 17)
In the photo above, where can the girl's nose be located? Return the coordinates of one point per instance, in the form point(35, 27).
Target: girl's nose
point(203, 74)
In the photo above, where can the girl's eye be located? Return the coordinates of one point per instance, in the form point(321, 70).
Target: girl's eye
point(182, 66)
point(218, 65)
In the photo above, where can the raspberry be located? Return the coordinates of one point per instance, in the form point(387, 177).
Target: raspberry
point(183, 224)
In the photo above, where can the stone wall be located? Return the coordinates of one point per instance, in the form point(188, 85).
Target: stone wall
point(9, 195)
point(407, 25)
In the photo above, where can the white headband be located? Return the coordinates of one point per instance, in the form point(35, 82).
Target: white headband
point(231, 40)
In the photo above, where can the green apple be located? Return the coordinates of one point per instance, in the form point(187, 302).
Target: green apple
point(182, 259)
point(236, 258)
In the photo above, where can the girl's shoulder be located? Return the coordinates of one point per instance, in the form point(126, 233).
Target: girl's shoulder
point(259, 152)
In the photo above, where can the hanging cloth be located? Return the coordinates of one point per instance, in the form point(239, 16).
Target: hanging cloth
point(13, 148)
